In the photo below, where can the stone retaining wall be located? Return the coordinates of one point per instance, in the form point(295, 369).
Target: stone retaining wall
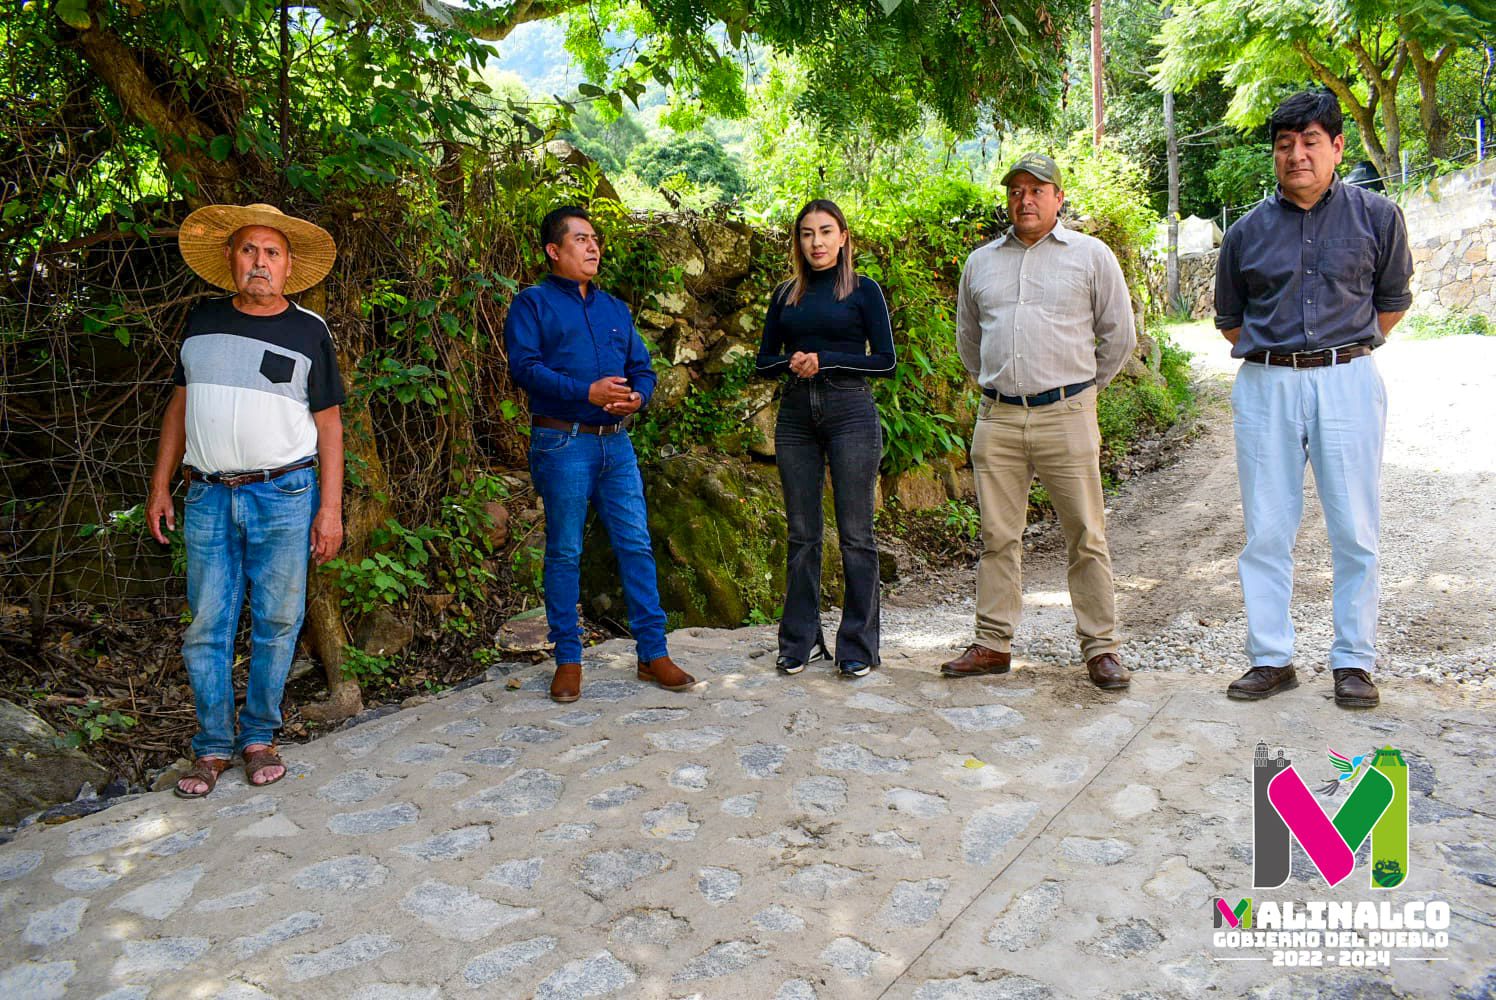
point(1196, 283)
point(1452, 230)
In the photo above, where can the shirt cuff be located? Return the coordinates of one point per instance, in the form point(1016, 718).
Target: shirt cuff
point(1228, 322)
point(1397, 303)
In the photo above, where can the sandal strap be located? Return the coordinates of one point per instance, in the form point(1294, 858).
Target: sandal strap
point(256, 761)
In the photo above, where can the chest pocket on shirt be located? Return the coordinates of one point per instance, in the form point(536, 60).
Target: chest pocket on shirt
point(1347, 261)
point(277, 368)
point(1067, 292)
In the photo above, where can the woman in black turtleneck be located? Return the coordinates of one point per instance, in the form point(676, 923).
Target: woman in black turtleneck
point(828, 332)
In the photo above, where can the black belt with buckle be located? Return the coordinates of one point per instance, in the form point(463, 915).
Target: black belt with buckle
point(1043, 398)
point(1311, 359)
point(570, 427)
point(232, 479)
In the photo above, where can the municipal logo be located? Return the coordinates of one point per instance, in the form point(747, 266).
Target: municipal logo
point(1284, 809)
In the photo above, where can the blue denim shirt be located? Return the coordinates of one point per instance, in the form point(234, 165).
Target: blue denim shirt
point(1297, 280)
point(560, 343)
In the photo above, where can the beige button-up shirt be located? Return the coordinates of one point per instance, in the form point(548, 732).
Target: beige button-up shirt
point(1031, 319)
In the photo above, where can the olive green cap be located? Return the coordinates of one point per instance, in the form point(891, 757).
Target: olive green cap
point(1041, 166)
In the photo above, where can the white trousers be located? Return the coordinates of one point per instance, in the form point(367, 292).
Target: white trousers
point(1336, 418)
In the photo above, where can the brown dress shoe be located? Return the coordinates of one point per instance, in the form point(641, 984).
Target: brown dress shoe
point(566, 686)
point(1107, 672)
point(1354, 689)
point(663, 671)
point(1262, 682)
point(976, 661)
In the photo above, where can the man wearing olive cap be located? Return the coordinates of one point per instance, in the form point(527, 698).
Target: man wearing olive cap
point(256, 416)
point(1043, 323)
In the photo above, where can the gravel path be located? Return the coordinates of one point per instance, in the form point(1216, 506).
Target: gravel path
point(1175, 535)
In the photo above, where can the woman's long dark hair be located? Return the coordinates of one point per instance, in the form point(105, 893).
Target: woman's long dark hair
point(846, 277)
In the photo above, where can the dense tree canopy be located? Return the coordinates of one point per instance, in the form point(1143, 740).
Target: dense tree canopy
point(1362, 50)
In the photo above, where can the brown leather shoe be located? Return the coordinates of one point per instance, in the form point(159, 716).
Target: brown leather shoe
point(663, 671)
point(566, 686)
point(1262, 682)
point(1354, 689)
point(976, 661)
point(1107, 672)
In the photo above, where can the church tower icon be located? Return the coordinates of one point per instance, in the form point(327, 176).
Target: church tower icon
point(1270, 840)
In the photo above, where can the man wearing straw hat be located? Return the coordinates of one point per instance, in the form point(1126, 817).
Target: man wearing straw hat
point(255, 415)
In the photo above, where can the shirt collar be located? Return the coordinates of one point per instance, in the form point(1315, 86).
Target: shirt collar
point(1059, 232)
point(1330, 193)
point(570, 286)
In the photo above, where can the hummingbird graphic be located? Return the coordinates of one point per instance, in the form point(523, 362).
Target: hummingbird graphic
point(1349, 767)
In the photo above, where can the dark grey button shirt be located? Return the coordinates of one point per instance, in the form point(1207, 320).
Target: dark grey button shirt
point(1306, 281)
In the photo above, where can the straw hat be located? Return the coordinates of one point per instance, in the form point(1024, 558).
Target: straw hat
point(206, 232)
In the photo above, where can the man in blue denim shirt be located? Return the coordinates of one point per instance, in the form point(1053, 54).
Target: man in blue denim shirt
point(573, 348)
point(1308, 284)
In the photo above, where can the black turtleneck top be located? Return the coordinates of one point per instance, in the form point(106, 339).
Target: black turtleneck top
point(851, 336)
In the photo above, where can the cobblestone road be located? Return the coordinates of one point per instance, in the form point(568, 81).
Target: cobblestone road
point(759, 837)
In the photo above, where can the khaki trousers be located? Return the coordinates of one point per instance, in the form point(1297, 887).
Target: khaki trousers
point(1062, 445)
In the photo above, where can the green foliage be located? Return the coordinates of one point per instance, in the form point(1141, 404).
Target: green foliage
point(1426, 326)
point(1242, 174)
point(1107, 187)
point(528, 567)
point(963, 518)
point(1132, 408)
point(447, 555)
point(710, 416)
point(607, 139)
point(883, 65)
point(698, 158)
point(91, 724)
point(1265, 49)
point(369, 669)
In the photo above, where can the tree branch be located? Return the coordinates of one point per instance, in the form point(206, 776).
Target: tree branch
point(490, 25)
point(182, 138)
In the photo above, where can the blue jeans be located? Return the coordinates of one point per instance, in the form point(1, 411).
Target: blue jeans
point(1336, 418)
point(829, 420)
point(259, 533)
point(572, 472)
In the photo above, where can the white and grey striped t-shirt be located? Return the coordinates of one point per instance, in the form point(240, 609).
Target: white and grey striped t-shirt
point(253, 383)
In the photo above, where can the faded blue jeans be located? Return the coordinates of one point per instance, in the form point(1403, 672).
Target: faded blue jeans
point(258, 534)
point(571, 472)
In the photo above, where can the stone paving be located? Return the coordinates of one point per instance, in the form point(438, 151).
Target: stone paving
point(901, 836)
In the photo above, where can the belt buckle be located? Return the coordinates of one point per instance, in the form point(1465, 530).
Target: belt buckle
point(1294, 357)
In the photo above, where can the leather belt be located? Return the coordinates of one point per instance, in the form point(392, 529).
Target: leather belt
point(1043, 398)
point(551, 423)
point(1311, 359)
point(232, 479)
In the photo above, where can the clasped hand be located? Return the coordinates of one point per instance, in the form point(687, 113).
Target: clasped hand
point(614, 396)
point(805, 365)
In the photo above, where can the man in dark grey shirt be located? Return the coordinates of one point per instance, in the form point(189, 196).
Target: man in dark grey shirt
point(1308, 284)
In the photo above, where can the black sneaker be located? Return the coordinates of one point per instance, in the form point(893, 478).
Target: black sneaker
point(788, 665)
point(854, 668)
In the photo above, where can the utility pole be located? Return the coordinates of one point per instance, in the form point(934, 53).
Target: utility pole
point(1098, 116)
point(1171, 266)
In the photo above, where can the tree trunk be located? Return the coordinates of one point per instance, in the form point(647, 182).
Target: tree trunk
point(1176, 303)
point(327, 632)
point(1435, 126)
point(1098, 109)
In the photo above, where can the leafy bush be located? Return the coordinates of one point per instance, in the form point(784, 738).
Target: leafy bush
point(1242, 174)
point(1424, 326)
point(697, 157)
